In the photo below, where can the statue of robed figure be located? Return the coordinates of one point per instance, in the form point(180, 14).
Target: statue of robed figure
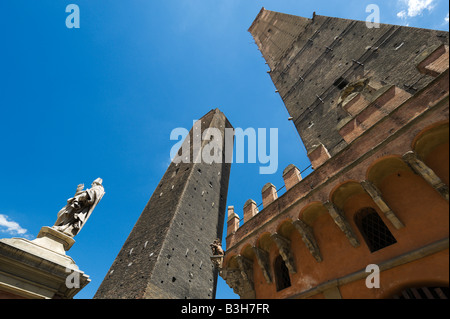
point(73, 216)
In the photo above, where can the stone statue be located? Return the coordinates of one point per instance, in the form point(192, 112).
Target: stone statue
point(216, 248)
point(218, 253)
point(73, 216)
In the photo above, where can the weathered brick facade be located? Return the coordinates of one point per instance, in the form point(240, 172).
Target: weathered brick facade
point(371, 106)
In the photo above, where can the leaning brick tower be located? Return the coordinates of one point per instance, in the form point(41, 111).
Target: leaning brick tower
point(167, 254)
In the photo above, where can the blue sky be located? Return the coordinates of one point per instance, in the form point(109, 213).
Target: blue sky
point(102, 100)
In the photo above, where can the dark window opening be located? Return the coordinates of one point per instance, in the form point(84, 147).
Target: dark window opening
point(423, 293)
point(282, 278)
point(375, 232)
point(340, 83)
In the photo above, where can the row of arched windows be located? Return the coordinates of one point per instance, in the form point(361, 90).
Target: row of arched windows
point(371, 226)
point(374, 231)
point(367, 211)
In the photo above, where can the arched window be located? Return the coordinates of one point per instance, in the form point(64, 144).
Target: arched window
point(375, 232)
point(282, 278)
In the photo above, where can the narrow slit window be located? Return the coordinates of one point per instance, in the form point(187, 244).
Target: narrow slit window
point(340, 83)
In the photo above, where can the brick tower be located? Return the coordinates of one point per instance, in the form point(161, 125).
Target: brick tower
point(327, 70)
point(167, 254)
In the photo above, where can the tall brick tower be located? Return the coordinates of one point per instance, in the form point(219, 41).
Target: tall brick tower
point(167, 254)
point(327, 70)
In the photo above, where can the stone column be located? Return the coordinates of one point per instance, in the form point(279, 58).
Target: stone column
point(240, 286)
point(263, 261)
point(342, 223)
point(246, 269)
point(420, 168)
point(284, 246)
point(375, 193)
point(308, 238)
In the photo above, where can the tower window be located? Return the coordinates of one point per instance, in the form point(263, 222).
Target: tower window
point(282, 278)
point(423, 293)
point(375, 232)
point(340, 83)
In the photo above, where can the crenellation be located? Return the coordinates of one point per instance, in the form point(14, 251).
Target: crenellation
point(232, 224)
point(269, 194)
point(318, 155)
point(436, 62)
point(291, 176)
point(250, 210)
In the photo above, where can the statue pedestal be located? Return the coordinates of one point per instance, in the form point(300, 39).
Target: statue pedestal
point(40, 268)
point(54, 240)
point(217, 261)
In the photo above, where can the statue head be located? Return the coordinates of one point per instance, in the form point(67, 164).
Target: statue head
point(98, 181)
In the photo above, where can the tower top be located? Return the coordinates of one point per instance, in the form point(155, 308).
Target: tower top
point(328, 71)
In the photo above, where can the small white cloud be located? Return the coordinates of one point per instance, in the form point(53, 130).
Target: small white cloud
point(11, 226)
point(402, 14)
point(446, 19)
point(415, 8)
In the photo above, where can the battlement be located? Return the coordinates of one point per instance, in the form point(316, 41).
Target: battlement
point(318, 215)
point(371, 107)
point(402, 108)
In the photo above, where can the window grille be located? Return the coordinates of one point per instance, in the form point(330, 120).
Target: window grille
point(375, 232)
point(423, 293)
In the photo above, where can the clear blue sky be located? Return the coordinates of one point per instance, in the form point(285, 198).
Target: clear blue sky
point(101, 101)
